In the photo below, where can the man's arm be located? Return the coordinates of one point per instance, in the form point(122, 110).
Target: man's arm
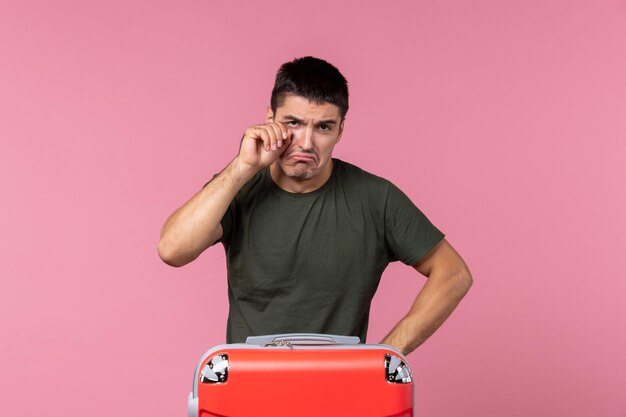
point(196, 225)
point(449, 279)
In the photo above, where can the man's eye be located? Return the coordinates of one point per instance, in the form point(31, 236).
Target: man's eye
point(290, 121)
point(325, 127)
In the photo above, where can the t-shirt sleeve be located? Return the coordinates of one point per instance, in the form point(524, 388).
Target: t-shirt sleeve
point(409, 234)
point(226, 221)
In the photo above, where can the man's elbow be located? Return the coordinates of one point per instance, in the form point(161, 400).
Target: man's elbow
point(457, 283)
point(170, 255)
point(464, 282)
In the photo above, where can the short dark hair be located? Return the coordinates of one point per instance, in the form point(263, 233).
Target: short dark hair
point(314, 79)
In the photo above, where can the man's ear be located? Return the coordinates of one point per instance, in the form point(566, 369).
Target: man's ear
point(270, 114)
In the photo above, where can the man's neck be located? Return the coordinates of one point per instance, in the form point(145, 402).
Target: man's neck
point(300, 186)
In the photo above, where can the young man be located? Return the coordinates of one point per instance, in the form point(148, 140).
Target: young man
point(308, 236)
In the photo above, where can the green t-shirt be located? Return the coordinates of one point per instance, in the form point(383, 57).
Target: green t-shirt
point(311, 262)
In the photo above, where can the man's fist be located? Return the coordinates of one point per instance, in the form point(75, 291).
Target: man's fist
point(263, 144)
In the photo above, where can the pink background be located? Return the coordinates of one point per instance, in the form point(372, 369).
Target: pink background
point(505, 121)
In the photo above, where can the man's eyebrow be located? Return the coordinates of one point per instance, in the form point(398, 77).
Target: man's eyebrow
point(327, 121)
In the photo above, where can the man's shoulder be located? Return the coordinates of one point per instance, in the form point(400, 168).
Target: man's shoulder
point(354, 174)
point(351, 170)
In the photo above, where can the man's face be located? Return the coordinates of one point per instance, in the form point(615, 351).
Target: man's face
point(315, 129)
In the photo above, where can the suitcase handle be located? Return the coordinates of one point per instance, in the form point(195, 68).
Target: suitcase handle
point(302, 339)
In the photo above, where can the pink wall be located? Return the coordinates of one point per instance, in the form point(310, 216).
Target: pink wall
point(504, 121)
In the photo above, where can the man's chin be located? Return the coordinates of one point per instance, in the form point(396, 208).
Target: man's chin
point(300, 175)
point(298, 171)
point(281, 171)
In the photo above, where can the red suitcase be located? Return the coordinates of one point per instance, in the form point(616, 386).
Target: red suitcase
point(302, 375)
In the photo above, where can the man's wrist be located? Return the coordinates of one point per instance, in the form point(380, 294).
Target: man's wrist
point(239, 172)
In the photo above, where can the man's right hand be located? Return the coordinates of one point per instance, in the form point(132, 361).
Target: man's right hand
point(263, 144)
point(196, 225)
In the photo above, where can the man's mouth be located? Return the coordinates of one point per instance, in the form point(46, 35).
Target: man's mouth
point(303, 157)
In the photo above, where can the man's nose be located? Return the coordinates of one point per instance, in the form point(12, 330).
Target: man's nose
point(304, 138)
point(307, 138)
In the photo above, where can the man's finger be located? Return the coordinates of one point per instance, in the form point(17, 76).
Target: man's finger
point(284, 129)
point(272, 134)
point(262, 133)
point(278, 133)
